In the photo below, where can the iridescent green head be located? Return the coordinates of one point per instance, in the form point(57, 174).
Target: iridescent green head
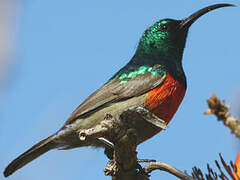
point(163, 37)
point(167, 37)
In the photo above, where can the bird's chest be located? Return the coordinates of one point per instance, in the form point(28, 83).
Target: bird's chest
point(165, 99)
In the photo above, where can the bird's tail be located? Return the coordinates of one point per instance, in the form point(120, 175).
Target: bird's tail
point(31, 154)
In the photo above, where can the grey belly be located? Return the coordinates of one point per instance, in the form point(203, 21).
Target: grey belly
point(144, 129)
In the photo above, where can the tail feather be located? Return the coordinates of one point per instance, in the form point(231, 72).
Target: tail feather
point(31, 154)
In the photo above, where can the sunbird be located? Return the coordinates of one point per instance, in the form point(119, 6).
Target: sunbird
point(153, 79)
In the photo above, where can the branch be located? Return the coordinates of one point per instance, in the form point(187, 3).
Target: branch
point(221, 111)
point(122, 132)
point(168, 168)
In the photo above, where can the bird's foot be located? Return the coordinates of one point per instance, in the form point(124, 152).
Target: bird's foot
point(111, 168)
point(141, 170)
point(139, 167)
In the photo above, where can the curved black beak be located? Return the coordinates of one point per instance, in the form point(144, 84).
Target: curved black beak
point(187, 22)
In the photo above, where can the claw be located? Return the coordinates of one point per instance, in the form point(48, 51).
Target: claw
point(141, 170)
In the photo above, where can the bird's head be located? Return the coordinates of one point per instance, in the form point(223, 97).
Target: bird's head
point(168, 36)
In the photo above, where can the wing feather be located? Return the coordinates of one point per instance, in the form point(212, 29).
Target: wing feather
point(115, 91)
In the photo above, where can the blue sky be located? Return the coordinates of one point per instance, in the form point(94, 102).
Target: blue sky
point(65, 50)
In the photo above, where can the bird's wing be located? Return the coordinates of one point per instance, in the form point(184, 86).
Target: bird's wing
point(117, 90)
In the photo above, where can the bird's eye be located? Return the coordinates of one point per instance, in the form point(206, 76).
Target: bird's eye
point(164, 27)
point(168, 27)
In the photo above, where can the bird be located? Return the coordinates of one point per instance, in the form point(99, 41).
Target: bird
point(153, 79)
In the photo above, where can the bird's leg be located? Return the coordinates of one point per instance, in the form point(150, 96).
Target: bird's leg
point(109, 170)
point(109, 148)
point(109, 153)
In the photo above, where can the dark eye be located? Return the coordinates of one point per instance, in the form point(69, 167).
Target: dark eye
point(169, 26)
point(164, 27)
